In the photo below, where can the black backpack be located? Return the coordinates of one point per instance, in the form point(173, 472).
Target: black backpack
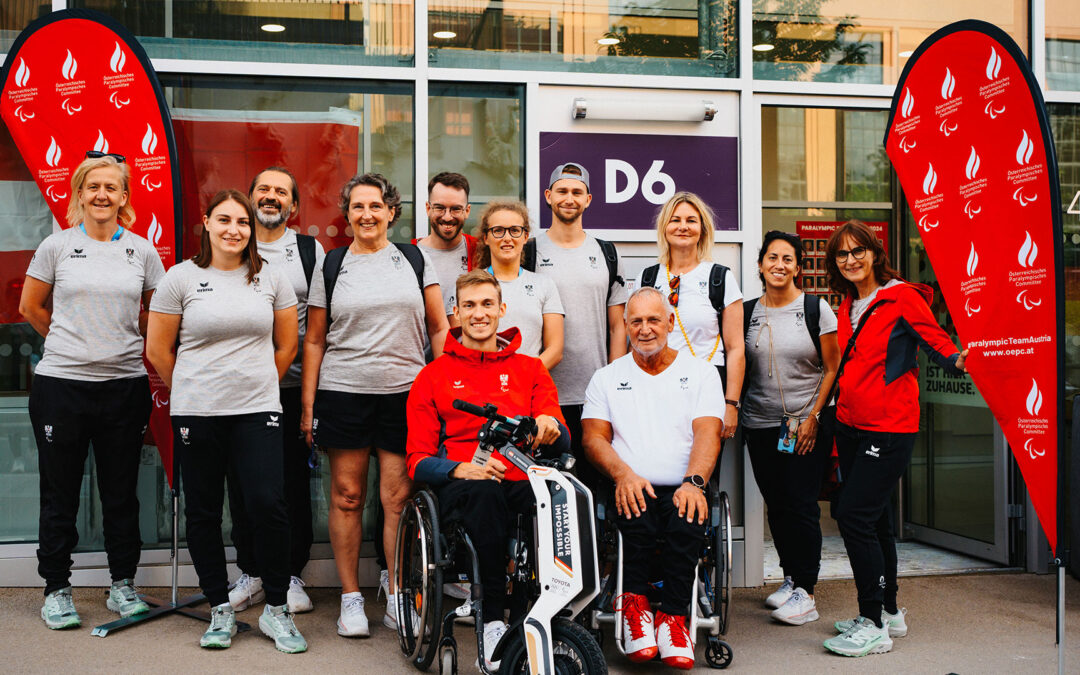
point(305, 246)
point(717, 283)
point(611, 257)
point(335, 258)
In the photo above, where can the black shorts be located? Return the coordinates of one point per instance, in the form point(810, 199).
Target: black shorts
point(348, 421)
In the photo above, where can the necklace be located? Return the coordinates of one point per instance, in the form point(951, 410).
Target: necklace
point(686, 337)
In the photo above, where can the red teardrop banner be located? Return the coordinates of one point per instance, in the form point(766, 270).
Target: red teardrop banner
point(75, 80)
point(969, 137)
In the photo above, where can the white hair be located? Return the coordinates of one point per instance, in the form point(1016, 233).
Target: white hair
point(645, 290)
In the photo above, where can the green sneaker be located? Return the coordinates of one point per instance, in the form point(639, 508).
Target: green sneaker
point(861, 639)
point(222, 628)
point(897, 623)
point(124, 599)
point(277, 623)
point(59, 610)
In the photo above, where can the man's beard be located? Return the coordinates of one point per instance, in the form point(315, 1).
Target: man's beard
point(651, 352)
point(269, 220)
point(564, 220)
point(437, 231)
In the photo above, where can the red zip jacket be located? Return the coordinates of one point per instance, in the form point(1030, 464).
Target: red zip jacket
point(879, 386)
point(515, 383)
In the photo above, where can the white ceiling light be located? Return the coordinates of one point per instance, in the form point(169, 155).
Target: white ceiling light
point(273, 27)
point(763, 47)
point(606, 41)
point(444, 34)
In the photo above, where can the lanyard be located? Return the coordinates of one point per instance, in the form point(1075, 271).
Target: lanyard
point(116, 236)
point(492, 272)
point(772, 364)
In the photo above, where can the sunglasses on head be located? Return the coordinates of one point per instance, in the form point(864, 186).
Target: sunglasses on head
point(97, 154)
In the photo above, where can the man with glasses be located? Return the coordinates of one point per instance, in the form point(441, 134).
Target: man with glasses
point(450, 249)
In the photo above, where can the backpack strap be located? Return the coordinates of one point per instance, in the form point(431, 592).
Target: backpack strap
point(529, 255)
point(812, 316)
point(470, 251)
point(747, 313)
point(331, 268)
point(305, 246)
point(416, 259)
point(648, 276)
point(717, 284)
point(851, 345)
point(611, 257)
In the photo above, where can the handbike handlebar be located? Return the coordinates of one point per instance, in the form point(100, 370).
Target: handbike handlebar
point(512, 436)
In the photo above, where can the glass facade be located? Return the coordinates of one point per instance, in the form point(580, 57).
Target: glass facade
point(1063, 45)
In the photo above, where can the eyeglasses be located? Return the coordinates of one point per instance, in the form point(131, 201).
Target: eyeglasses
point(859, 252)
point(499, 232)
point(439, 209)
point(673, 296)
point(97, 154)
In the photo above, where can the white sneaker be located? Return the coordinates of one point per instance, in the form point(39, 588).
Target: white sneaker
point(862, 638)
point(674, 642)
point(297, 597)
point(384, 584)
point(246, 592)
point(457, 590)
point(800, 608)
point(780, 595)
point(390, 618)
point(493, 632)
point(897, 623)
point(352, 622)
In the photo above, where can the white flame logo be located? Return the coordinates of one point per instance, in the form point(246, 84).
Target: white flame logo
point(1034, 399)
point(969, 309)
point(53, 195)
point(70, 66)
point(1024, 150)
point(153, 233)
point(930, 181)
point(972, 168)
point(22, 74)
point(117, 101)
point(52, 155)
point(1031, 451)
point(1020, 196)
point(925, 225)
point(972, 211)
point(69, 107)
point(149, 184)
point(908, 105)
point(149, 141)
point(117, 60)
point(973, 261)
point(993, 66)
point(946, 128)
point(948, 84)
point(906, 145)
point(992, 111)
point(101, 145)
point(1028, 250)
point(23, 116)
point(1028, 303)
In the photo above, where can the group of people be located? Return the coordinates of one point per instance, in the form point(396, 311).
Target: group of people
point(272, 346)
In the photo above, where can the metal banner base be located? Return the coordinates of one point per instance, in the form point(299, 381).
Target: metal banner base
point(163, 608)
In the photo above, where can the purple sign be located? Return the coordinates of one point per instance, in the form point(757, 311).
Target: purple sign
point(632, 175)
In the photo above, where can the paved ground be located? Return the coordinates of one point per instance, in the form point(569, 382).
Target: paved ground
point(989, 623)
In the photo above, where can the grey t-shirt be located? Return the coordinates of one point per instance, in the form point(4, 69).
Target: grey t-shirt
point(528, 298)
point(225, 361)
point(581, 277)
point(795, 361)
point(449, 265)
point(96, 296)
point(284, 255)
point(375, 344)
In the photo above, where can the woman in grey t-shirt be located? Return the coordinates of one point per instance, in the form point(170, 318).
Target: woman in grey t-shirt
point(82, 293)
point(235, 317)
point(532, 300)
point(363, 348)
point(787, 387)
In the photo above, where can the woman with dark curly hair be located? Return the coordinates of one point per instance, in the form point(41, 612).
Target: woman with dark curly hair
point(371, 307)
point(883, 322)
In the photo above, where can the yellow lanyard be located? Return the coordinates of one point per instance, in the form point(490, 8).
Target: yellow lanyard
point(686, 337)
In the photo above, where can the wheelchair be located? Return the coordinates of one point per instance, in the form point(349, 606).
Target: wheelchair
point(552, 567)
point(711, 592)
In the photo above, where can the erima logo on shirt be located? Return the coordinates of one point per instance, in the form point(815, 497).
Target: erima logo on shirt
point(78, 253)
point(458, 384)
point(273, 421)
point(546, 262)
point(624, 386)
point(204, 287)
point(873, 451)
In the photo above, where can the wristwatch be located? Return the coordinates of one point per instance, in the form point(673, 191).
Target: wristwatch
point(737, 404)
point(695, 480)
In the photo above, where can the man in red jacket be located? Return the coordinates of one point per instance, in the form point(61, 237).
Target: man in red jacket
point(480, 365)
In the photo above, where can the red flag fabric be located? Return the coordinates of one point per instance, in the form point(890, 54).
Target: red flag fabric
point(969, 137)
point(74, 81)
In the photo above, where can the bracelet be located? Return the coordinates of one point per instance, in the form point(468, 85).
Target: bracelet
point(816, 416)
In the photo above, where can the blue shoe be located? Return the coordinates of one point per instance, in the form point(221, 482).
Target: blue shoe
point(59, 610)
point(222, 628)
point(277, 624)
point(125, 600)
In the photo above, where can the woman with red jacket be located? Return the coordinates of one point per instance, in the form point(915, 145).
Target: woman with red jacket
point(877, 416)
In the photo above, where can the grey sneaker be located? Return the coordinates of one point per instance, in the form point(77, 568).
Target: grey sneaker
point(125, 600)
point(780, 595)
point(800, 608)
point(59, 610)
point(222, 628)
point(861, 639)
point(277, 624)
point(246, 592)
point(897, 623)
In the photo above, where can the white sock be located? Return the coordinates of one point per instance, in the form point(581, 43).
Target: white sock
point(349, 596)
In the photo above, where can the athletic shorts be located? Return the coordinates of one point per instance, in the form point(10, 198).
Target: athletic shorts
point(350, 421)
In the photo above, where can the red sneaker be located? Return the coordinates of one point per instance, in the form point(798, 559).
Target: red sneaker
point(639, 639)
point(674, 641)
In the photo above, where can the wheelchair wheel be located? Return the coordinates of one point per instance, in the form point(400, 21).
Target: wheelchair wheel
point(722, 557)
point(719, 653)
point(576, 652)
point(418, 579)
